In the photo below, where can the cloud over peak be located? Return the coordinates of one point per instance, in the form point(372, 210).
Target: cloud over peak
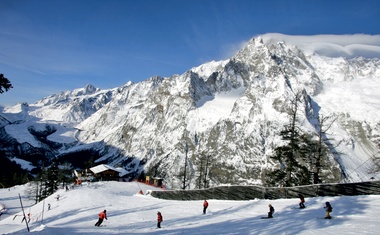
point(348, 46)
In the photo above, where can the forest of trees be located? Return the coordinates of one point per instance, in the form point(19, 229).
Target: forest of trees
point(49, 180)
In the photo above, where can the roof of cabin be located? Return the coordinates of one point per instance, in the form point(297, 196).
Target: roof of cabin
point(103, 167)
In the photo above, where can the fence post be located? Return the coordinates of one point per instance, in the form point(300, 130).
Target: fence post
point(264, 192)
point(23, 212)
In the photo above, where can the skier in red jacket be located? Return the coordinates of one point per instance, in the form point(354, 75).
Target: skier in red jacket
point(205, 205)
point(302, 201)
point(102, 216)
point(159, 219)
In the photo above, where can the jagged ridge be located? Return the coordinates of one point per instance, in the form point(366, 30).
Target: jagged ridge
point(230, 110)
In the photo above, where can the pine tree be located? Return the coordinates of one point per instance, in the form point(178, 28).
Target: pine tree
point(5, 84)
point(46, 182)
point(186, 173)
point(292, 171)
point(323, 144)
point(203, 168)
point(302, 158)
point(52, 180)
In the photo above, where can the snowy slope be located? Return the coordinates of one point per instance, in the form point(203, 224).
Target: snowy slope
point(130, 213)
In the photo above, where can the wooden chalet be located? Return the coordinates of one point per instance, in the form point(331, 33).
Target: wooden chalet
point(106, 172)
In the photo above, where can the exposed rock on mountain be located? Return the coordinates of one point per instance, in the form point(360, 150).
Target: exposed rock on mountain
point(223, 119)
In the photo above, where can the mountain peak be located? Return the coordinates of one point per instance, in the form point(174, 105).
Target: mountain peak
point(236, 108)
point(90, 89)
point(87, 90)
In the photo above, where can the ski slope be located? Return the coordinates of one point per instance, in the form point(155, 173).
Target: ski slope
point(77, 211)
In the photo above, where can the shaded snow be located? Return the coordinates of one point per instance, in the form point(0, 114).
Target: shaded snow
point(129, 213)
point(26, 165)
point(20, 131)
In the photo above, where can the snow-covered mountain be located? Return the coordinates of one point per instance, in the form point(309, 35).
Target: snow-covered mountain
point(229, 111)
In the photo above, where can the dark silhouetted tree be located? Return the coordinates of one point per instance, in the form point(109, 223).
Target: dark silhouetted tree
point(323, 145)
point(292, 156)
point(5, 84)
point(204, 163)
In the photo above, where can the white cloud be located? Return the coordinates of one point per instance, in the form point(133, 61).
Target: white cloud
point(348, 46)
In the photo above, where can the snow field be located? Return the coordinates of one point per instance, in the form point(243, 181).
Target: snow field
point(77, 211)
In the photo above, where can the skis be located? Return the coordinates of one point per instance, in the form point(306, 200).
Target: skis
point(102, 225)
point(299, 208)
point(325, 218)
point(266, 218)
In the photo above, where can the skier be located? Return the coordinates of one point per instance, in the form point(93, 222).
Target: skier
point(159, 219)
point(25, 218)
point(302, 205)
point(205, 205)
point(271, 211)
point(49, 206)
point(102, 216)
point(328, 208)
point(2, 210)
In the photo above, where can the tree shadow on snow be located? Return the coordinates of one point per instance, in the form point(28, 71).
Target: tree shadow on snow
point(286, 220)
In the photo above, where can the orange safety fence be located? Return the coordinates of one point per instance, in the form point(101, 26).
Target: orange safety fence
point(151, 184)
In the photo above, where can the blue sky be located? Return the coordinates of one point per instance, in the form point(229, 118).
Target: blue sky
point(48, 46)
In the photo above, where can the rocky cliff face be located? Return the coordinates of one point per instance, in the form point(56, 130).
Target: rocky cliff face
point(225, 114)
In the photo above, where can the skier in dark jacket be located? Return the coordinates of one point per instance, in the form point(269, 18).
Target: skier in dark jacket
point(302, 205)
point(328, 208)
point(102, 216)
point(271, 211)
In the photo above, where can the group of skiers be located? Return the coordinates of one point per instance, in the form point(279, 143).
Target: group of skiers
point(103, 215)
point(328, 208)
